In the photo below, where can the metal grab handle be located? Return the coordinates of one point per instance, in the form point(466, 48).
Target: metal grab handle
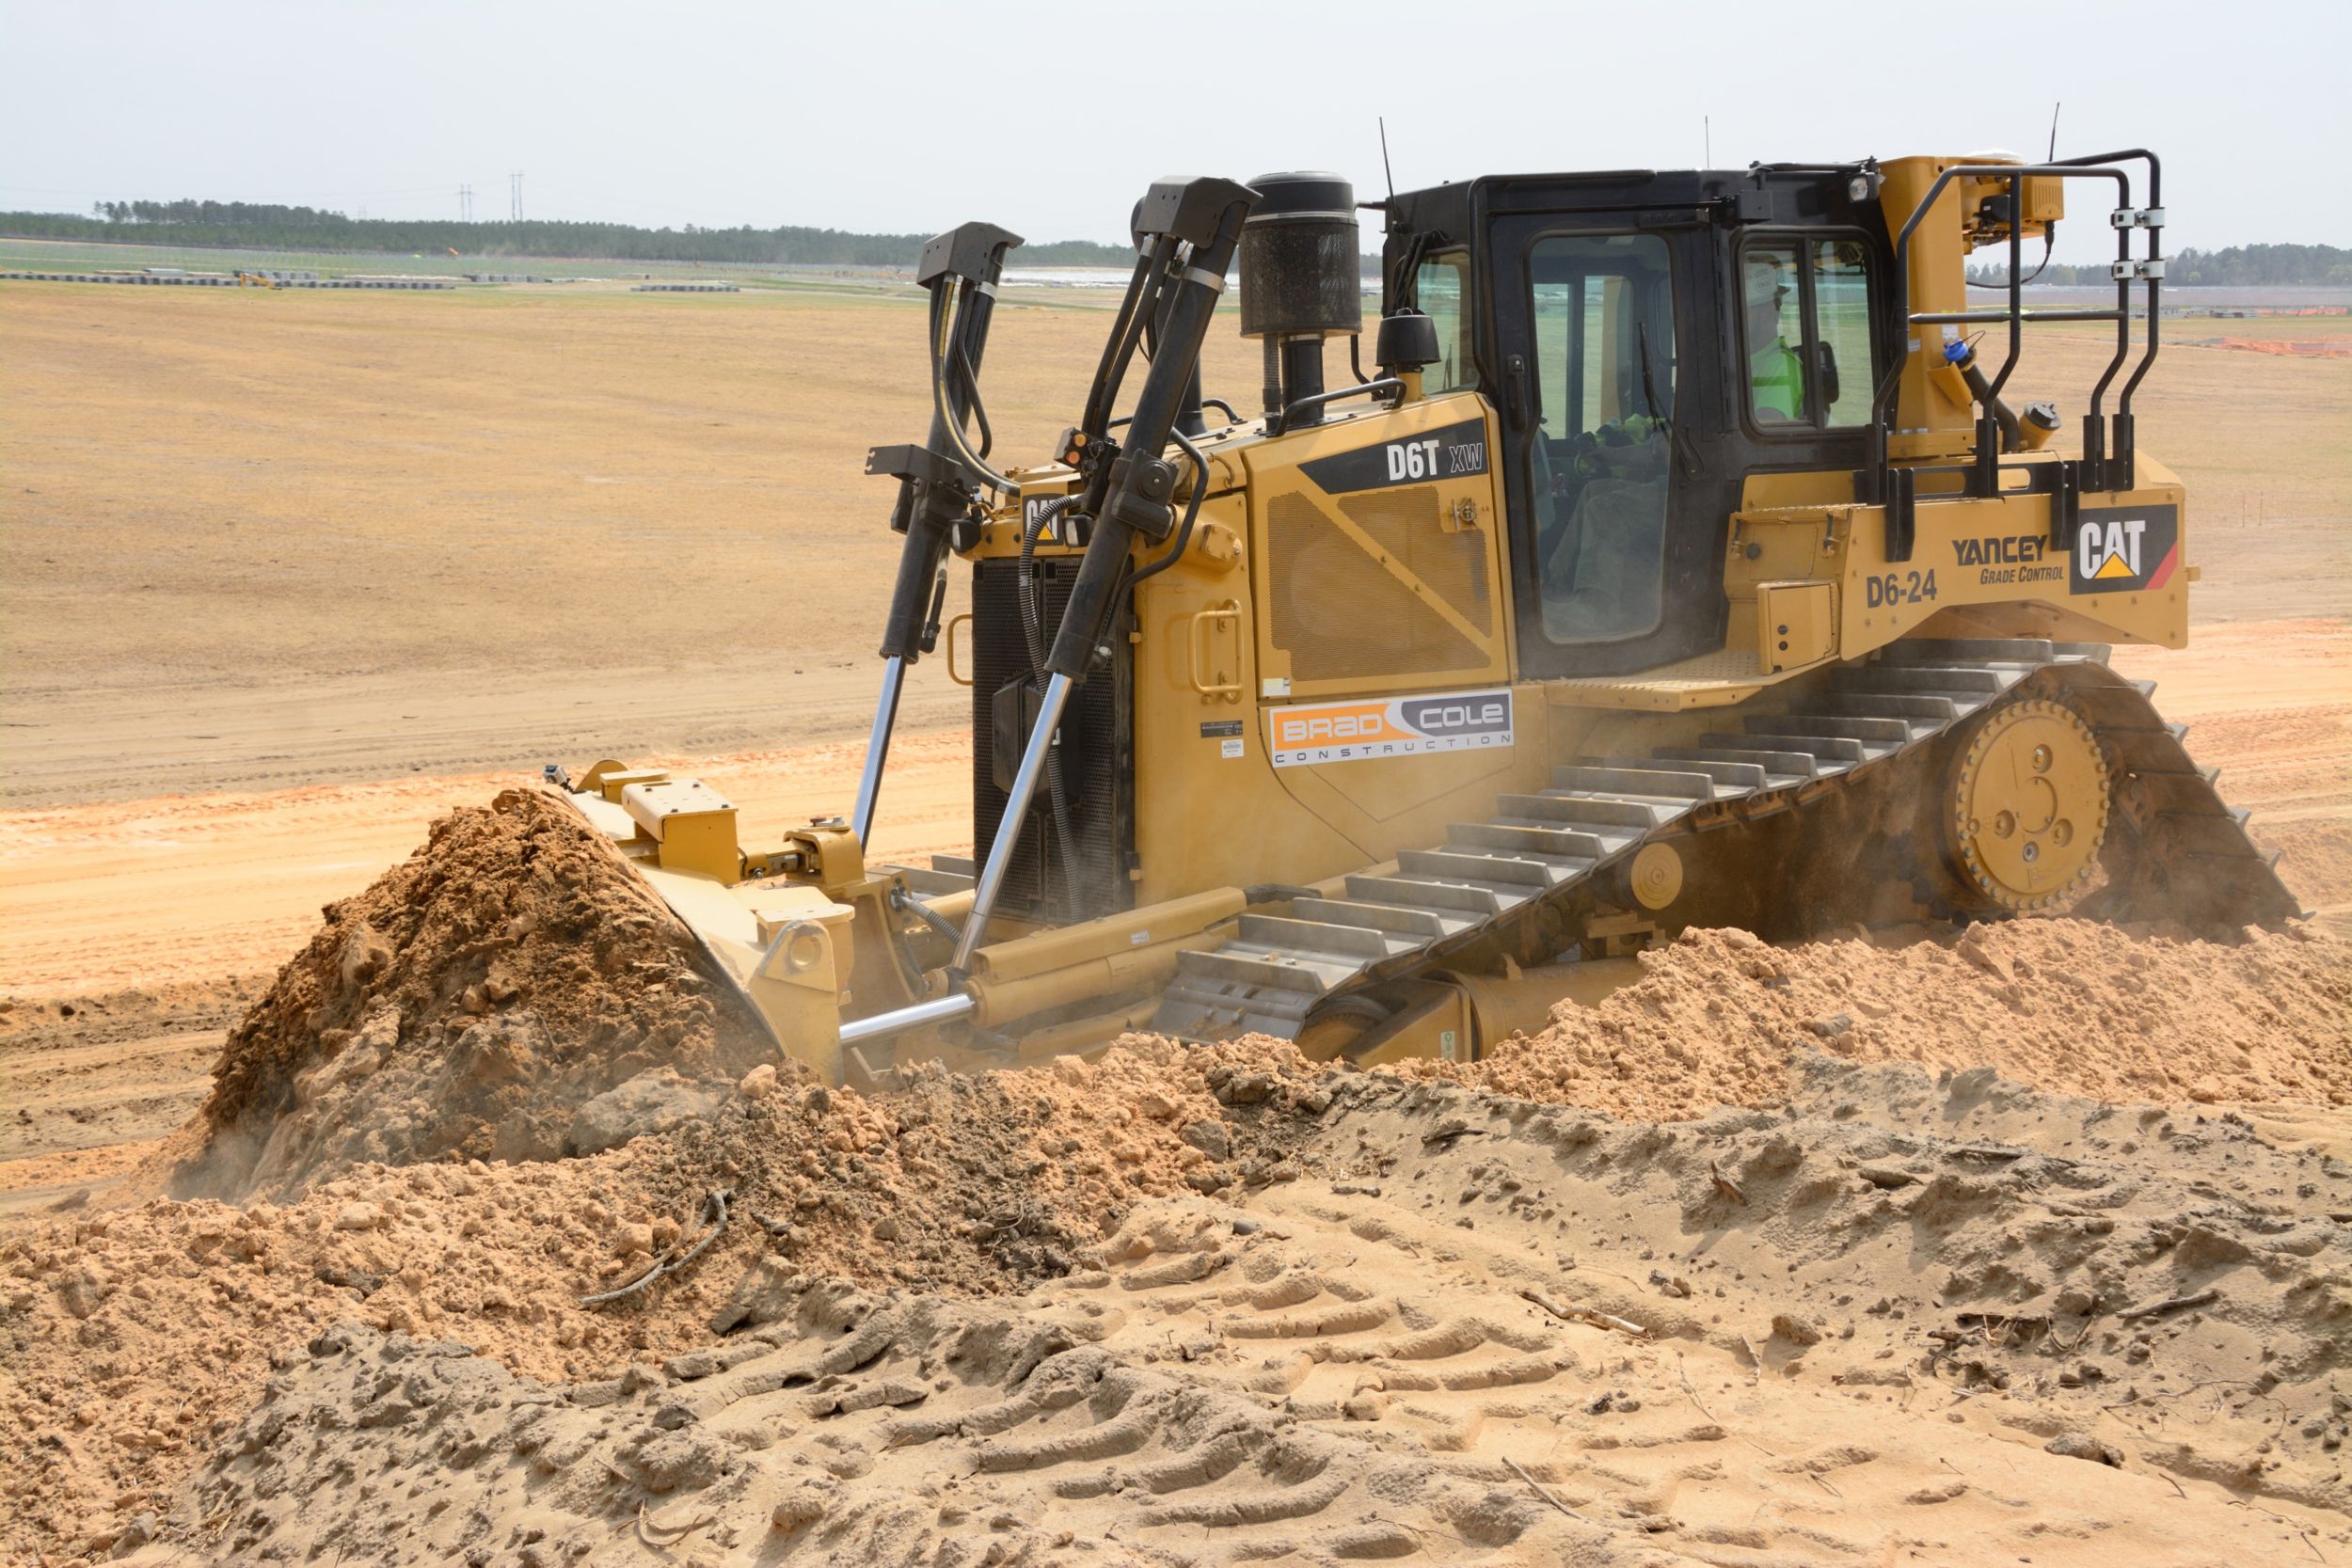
point(949, 637)
point(1196, 647)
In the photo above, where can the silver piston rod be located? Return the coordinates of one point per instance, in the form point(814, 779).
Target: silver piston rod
point(1008, 828)
point(878, 748)
point(1017, 802)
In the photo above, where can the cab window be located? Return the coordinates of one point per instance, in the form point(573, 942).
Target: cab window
point(1441, 290)
point(1805, 315)
point(1603, 311)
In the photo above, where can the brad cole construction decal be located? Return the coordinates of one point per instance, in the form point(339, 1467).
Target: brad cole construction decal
point(1313, 734)
point(2122, 549)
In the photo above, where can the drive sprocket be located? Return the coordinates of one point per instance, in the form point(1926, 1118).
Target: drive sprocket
point(2028, 807)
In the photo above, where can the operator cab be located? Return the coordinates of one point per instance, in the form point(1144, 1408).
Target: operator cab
point(1649, 340)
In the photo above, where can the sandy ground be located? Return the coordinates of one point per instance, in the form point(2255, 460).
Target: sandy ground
point(1240, 1312)
point(284, 579)
point(288, 542)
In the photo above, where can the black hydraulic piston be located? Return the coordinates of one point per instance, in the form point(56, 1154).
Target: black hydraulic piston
point(1204, 217)
point(937, 486)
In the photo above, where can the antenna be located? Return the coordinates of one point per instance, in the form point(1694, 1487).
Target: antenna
point(2054, 114)
point(1384, 158)
point(1707, 129)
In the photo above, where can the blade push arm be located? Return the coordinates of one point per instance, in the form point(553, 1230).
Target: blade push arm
point(1195, 225)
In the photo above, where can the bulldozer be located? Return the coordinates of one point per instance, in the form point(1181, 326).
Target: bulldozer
point(1680, 561)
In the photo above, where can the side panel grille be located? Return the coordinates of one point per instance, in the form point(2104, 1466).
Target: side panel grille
point(1097, 755)
point(1339, 614)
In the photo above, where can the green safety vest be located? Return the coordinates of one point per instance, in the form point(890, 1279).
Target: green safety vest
point(1777, 376)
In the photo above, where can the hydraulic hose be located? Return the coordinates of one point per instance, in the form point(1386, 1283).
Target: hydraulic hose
point(1134, 498)
point(1134, 310)
point(1192, 512)
point(949, 417)
point(972, 394)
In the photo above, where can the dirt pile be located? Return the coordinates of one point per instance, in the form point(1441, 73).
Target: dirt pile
point(2066, 1004)
point(133, 1339)
point(1234, 1292)
point(509, 992)
point(1962, 1320)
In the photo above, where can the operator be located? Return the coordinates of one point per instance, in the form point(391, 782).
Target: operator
point(1776, 374)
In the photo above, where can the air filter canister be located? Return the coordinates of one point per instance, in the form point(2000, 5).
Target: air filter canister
point(1300, 270)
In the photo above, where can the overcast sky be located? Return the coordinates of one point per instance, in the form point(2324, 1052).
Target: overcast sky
point(910, 117)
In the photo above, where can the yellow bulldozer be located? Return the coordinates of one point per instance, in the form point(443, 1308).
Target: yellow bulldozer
point(1681, 561)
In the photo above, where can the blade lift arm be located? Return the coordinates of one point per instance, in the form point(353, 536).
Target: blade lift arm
point(1194, 227)
point(939, 480)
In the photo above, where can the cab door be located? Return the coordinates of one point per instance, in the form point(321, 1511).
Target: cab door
point(1605, 330)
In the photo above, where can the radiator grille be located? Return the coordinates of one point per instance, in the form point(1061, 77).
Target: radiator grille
point(1097, 753)
point(1339, 614)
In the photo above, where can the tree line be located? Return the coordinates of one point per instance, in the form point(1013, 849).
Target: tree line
point(2243, 266)
point(263, 226)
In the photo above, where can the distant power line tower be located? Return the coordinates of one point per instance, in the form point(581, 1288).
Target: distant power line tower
point(515, 196)
point(465, 203)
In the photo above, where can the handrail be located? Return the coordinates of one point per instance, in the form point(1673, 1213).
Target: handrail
point(2094, 425)
point(1196, 651)
point(1369, 388)
point(1890, 385)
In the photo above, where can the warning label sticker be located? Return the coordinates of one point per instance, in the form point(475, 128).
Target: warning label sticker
point(1313, 734)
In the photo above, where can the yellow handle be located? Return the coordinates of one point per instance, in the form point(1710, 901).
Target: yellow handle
point(1197, 640)
point(960, 680)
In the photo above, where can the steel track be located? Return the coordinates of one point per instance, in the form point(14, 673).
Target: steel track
point(1809, 796)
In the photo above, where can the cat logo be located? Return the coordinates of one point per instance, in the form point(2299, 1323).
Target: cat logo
point(2112, 552)
point(2124, 549)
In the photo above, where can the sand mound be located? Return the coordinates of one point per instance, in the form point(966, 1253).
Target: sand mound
point(1199, 1288)
point(1952, 1318)
point(133, 1339)
point(509, 992)
point(2067, 1005)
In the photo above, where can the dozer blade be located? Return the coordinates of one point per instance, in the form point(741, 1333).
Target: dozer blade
point(782, 948)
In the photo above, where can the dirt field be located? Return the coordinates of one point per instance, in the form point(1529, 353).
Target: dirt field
point(284, 579)
point(460, 532)
point(341, 537)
